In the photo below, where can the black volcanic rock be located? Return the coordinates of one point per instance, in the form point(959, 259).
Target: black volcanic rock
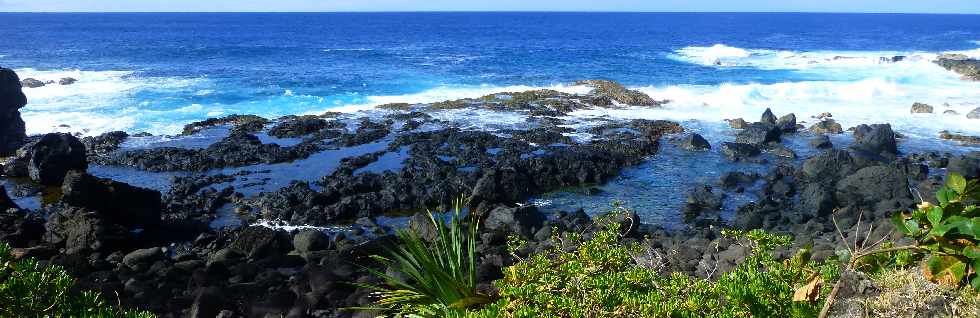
point(787, 123)
point(104, 143)
point(118, 202)
point(12, 133)
point(739, 151)
point(693, 142)
point(758, 134)
point(768, 118)
point(53, 156)
point(826, 126)
point(78, 229)
point(875, 139)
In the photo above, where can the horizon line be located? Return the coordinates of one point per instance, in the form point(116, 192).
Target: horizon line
point(503, 11)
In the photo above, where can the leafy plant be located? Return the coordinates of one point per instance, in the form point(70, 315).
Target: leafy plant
point(949, 232)
point(431, 279)
point(30, 289)
point(602, 278)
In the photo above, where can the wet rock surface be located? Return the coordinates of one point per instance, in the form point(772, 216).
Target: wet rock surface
point(961, 64)
point(12, 133)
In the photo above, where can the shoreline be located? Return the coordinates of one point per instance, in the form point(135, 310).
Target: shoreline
point(160, 250)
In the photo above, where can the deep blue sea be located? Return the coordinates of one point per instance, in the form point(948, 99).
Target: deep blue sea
point(155, 72)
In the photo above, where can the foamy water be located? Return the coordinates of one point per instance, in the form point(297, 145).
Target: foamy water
point(857, 87)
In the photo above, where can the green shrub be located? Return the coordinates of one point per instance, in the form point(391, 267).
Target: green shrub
point(949, 232)
point(29, 289)
point(431, 279)
point(601, 278)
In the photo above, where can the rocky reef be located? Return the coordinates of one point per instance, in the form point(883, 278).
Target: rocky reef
point(961, 64)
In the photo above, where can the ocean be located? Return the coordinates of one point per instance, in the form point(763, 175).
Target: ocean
point(155, 72)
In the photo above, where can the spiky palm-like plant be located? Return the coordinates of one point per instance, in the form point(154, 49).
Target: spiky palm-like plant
point(431, 279)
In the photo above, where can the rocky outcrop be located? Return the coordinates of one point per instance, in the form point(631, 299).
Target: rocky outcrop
point(117, 202)
point(878, 139)
point(961, 64)
point(105, 143)
point(67, 81)
point(881, 189)
point(53, 156)
point(739, 151)
point(12, 99)
point(974, 114)
point(298, 126)
point(79, 229)
point(32, 83)
point(963, 139)
point(246, 123)
point(693, 142)
point(759, 134)
point(827, 126)
point(787, 123)
point(619, 93)
point(920, 108)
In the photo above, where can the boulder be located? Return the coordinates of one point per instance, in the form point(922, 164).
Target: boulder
point(781, 151)
point(702, 198)
point(619, 93)
point(53, 156)
point(758, 134)
point(309, 241)
point(821, 142)
point(738, 123)
point(768, 118)
point(693, 142)
point(12, 133)
point(974, 114)
point(787, 123)
point(105, 143)
point(827, 126)
point(32, 83)
point(829, 167)
point(119, 202)
point(739, 151)
point(817, 200)
point(67, 81)
point(875, 139)
point(951, 112)
point(884, 189)
point(523, 220)
point(79, 229)
point(920, 108)
point(258, 242)
point(143, 256)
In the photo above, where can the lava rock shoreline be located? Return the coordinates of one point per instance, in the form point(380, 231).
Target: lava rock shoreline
point(158, 251)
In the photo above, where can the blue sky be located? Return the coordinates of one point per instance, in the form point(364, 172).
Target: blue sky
point(908, 6)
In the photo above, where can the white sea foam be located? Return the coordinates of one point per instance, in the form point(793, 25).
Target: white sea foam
point(99, 101)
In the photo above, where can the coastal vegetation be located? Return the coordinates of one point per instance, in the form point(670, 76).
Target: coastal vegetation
point(29, 288)
point(601, 274)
